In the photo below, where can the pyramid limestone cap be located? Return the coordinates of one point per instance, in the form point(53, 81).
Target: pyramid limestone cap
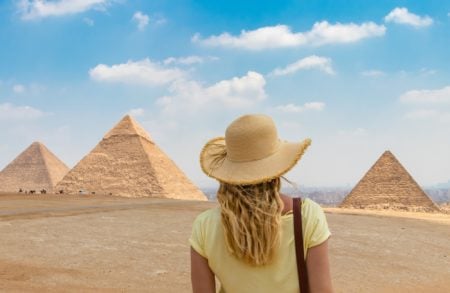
point(128, 126)
point(38, 145)
point(388, 153)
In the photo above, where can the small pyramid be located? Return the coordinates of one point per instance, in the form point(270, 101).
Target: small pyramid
point(36, 168)
point(388, 185)
point(126, 162)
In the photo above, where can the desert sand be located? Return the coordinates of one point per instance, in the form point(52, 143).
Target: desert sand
point(110, 244)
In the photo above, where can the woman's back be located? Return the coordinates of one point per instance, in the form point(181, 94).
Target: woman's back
point(238, 276)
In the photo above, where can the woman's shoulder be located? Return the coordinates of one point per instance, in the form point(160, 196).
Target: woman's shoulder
point(208, 215)
point(309, 203)
point(310, 207)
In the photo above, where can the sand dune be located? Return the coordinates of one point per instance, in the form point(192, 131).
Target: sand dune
point(111, 244)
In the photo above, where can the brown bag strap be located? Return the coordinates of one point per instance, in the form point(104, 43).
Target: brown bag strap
point(299, 252)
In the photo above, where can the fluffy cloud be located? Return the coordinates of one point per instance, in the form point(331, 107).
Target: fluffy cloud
point(11, 112)
point(401, 15)
point(281, 36)
point(439, 96)
point(144, 72)
point(292, 108)
point(237, 92)
point(311, 62)
point(141, 20)
point(34, 9)
point(189, 60)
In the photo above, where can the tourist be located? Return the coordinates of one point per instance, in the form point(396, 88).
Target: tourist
point(248, 242)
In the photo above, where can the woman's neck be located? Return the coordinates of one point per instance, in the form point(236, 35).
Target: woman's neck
point(287, 203)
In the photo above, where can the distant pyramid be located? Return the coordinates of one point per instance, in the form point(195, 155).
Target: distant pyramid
point(388, 185)
point(126, 162)
point(36, 168)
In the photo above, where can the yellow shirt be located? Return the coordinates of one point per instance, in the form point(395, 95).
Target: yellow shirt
point(237, 276)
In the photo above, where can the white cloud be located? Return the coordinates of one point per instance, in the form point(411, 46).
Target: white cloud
point(372, 73)
point(314, 106)
point(417, 72)
point(429, 114)
point(159, 19)
point(439, 96)
point(421, 114)
point(307, 63)
point(88, 21)
point(141, 20)
point(18, 88)
point(136, 112)
point(401, 15)
point(237, 92)
point(292, 108)
point(436, 101)
point(189, 60)
point(427, 71)
point(9, 111)
point(281, 36)
point(144, 72)
point(35, 9)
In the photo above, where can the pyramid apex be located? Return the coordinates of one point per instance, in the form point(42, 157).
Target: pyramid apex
point(128, 126)
point(37, 146)
point(388, 154)
point(128, 117)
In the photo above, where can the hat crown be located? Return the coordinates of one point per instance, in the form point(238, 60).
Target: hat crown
point(251, 137)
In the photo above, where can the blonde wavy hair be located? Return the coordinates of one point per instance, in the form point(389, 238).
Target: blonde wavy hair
point(251, 218)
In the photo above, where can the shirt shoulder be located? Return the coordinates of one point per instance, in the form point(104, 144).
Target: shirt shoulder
point(201, 227)
point(315, 226)
point(207, 216)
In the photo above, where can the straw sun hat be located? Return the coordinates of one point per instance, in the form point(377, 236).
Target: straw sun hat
point(250, 152)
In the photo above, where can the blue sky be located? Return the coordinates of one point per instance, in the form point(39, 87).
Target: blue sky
point(358, 77)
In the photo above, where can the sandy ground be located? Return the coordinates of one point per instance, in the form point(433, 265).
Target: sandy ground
point(100, 244)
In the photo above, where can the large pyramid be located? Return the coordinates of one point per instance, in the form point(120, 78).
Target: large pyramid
point(126, 162)
point(36, 168)
point(388, 185)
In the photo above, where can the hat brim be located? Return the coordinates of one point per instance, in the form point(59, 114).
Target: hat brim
point(251, 172)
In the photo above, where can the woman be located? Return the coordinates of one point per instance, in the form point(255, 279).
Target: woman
point(248, 242)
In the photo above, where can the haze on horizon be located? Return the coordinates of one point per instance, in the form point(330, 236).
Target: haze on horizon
point(358, 78)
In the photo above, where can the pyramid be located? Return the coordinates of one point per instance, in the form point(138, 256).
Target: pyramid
point(127, 162)
point(36, 168)
point(388, 185)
